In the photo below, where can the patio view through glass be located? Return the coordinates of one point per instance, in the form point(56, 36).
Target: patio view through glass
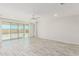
point(9, 30)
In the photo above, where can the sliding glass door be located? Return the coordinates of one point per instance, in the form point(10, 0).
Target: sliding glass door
point(11, 30)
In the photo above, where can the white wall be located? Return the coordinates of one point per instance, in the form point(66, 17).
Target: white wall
point(65, 29)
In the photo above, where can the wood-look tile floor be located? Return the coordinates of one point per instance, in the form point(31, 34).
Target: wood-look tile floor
point(37, 47)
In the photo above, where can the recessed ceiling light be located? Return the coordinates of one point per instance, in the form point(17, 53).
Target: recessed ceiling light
point(55, 14)
point(61, 3)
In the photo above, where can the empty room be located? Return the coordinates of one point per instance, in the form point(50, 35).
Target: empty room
point(39, 29)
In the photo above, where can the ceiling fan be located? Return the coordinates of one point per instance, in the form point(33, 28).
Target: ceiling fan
point(34, 17)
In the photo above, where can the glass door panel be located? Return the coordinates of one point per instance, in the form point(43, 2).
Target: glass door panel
point(21, 31)
point(14, 31)
point(31, 30)
point(5, 30)
point(26, 31)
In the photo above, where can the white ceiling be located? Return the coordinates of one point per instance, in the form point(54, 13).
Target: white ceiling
point(25, 10)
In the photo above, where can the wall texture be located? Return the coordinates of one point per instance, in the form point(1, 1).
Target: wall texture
point(65, 29)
